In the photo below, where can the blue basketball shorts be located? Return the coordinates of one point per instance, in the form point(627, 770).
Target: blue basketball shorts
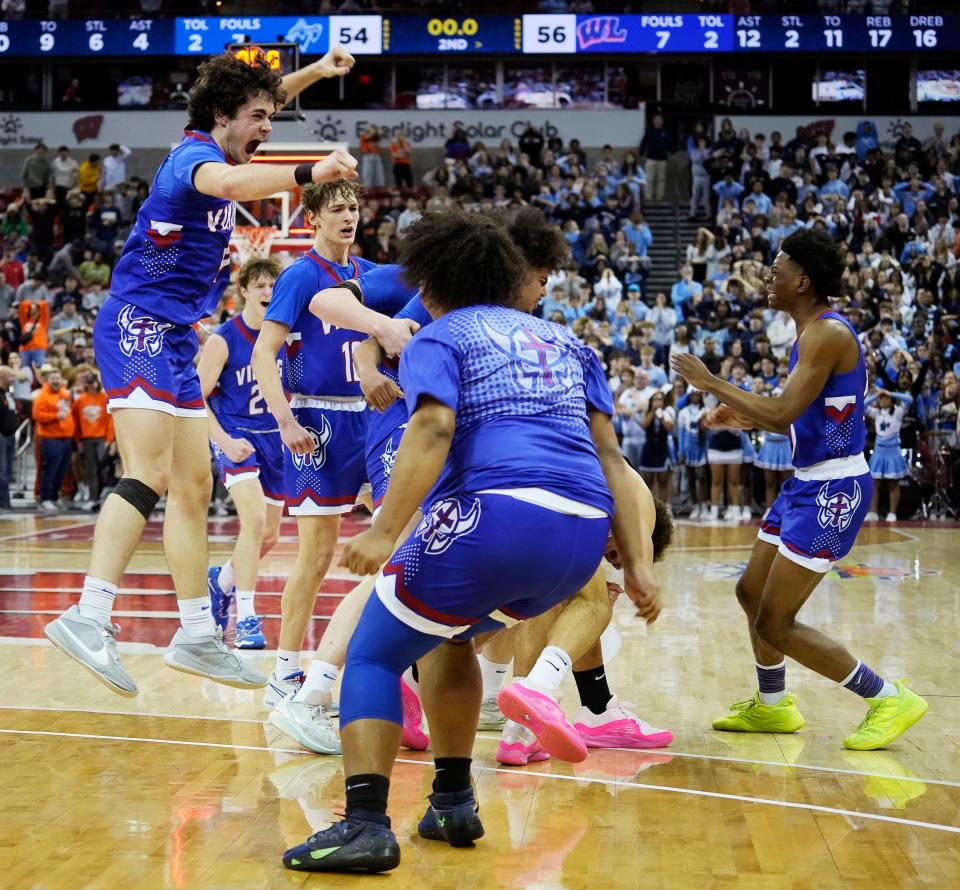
point(327, 481)
point(384, 432)
point(477, 562)
point(145, 362)
point(814, 523)
point(265, 464)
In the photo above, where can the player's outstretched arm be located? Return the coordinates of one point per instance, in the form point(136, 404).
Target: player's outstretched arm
point(338, 306)
point(823, 347)
point(420, 459)
point(336, 63)
point(249, 182)
point(634, 545)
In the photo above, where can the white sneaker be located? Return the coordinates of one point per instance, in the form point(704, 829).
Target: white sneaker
point(715, 512)
point(695, 512)
point(731, 513)
point(490, 715)
point(278, 688)
point(310, 725)
point(891, 517)
point(49, 508)
point(871, 517)
point(746, 514)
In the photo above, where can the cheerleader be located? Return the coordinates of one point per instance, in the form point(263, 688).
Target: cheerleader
point(693, 452)
point(657, 423)
point(725, 457)
point(887, 465)
point(775, 458)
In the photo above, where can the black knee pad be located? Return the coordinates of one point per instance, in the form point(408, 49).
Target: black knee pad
point(140, 496)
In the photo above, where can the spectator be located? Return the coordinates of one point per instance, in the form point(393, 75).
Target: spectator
point(67, 321)
point(401, 155)
point(94, 427)
point(8, 297)
point(8, 427)
point(35, 172)
point(655, 147)
point(71, 95)
point(658, 422)
point(53, 415)
point(114, 167)
point(700, 176)
point(63, 169)
point(104, 222)
point(89, 176)
point(94, 270)
point(410, 215)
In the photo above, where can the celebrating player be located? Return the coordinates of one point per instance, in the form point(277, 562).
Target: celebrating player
point(506, 534)
point(815, 520)
point(324, 424)
point(174, 268)
point(249, 452)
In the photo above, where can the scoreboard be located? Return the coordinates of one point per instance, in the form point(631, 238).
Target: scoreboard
point(503, 35)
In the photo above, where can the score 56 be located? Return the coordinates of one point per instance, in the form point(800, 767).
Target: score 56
point(549, 33)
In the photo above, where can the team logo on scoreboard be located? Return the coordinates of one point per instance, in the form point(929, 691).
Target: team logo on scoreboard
point(305, 33)
point(599, 30)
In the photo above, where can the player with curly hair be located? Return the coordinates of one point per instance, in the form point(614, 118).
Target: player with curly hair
point(172, 273)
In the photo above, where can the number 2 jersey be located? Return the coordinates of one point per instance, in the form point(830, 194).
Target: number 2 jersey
point(237, 402)
point(175, 264)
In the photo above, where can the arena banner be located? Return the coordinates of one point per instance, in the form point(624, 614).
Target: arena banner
point(423, 129)
point(889, 129)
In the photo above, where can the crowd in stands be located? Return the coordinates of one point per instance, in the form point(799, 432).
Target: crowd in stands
point(894, 208)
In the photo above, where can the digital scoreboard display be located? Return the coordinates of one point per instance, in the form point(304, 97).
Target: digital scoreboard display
point(537, 34)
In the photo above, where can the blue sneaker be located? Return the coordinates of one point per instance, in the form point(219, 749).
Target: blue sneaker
point(453, 817)
point(220, 600)
point(355, 844)
point(250, 633)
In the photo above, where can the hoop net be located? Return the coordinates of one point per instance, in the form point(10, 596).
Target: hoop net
point(252, 241)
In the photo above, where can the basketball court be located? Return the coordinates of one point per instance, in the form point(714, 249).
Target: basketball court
point(187, 785)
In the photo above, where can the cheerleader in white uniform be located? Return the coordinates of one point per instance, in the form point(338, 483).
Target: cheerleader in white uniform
point(887, 464)
point(692, 445)
point(775, 458)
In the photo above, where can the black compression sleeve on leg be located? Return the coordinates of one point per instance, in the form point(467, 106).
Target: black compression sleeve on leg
point(140, 496)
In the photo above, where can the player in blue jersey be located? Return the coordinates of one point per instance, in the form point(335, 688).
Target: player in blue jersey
point(815, 520)
point(172, 273)
point(324, 424)
point(507, 533)
point(247, 448)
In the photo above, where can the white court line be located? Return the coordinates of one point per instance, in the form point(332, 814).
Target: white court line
point(693, 792)
point(158, 613)
point(38, 533)
point(487, 738)
point(151, 591)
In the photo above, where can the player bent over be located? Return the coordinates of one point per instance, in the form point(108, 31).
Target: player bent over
point(815, 520)
point(248, 451)
point(173, 270)
point(505, 535)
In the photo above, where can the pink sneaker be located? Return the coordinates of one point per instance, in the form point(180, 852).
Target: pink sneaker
point(545, 718)
point(619, 728)
point(519, 754)
point(414, 737)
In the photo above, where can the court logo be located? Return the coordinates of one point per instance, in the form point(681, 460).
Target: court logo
point(140, 333)
point(837, 509)
point(318, 457)
point(539, 364)
point(447, 521)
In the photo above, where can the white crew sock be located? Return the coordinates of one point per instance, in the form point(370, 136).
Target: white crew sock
point(96, 600)
point(196, 618)
point(552, 666)
point(318, 685)
point(494, 675)
point(226, 578)
point(245, 604)
point(288, 662)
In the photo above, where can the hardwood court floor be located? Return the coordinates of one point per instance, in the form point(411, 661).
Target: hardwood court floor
point(186, 786)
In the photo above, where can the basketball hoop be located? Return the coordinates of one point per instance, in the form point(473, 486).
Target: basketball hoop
point(252, 241)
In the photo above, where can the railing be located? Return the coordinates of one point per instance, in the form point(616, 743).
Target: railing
point(24, 463)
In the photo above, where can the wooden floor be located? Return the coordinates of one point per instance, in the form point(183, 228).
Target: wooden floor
point(186, 786)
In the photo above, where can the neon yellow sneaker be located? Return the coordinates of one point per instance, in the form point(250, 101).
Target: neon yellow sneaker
point(887, 719)
point(754, 716)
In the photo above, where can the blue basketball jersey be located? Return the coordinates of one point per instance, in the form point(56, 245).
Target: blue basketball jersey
point(834, 425)
point(237, 402)
point(319, 360)
point(521, 388)
point(176, 264)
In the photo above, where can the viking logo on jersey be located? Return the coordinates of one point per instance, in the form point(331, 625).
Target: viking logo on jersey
point(389, 456)
point(140, 333)
point(446, 522)
point(542, 363)
point(318, 457)
point(837, 509)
